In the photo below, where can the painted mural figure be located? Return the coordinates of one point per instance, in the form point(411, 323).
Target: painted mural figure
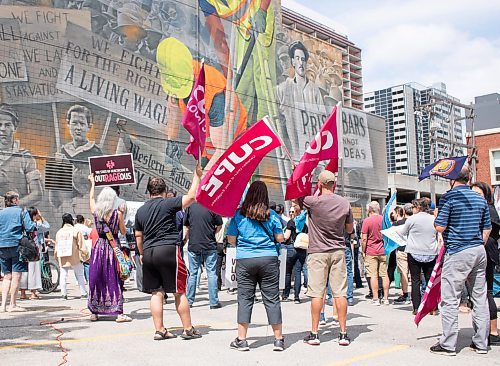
point(18, 170)
point(253, 54)
point(79, 119)
point(179, 70)
point(301, 104)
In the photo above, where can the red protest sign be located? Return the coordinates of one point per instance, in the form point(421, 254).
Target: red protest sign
point(112, 170)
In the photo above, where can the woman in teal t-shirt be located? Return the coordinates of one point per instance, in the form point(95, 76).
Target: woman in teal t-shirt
point(258, 230)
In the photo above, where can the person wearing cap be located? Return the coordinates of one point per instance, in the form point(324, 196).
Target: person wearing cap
point(304, 95)
point(69, 236)
point(330, 217)
point(18, 169)
point(130, 26)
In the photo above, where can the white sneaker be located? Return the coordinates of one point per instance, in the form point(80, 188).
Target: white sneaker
point(385, 302)
point(375, 302)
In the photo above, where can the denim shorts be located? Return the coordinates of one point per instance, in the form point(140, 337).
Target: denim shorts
point(9, 261)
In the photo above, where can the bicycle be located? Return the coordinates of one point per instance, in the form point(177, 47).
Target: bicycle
point(50, 273)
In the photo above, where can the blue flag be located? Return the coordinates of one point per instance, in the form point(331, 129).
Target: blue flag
point(389, 245)
point(448, 168)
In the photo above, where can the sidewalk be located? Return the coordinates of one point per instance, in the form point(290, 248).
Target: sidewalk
point(382, 335)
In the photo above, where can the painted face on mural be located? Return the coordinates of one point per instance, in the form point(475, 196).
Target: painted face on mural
point(299, 62)
point(78, 128)
point(7, 130)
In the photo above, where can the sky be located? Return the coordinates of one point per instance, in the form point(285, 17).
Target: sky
point(426, 41)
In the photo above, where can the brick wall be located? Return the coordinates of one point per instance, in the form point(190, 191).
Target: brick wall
point(484, 144)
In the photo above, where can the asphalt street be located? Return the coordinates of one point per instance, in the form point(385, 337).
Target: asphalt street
point(381, 335)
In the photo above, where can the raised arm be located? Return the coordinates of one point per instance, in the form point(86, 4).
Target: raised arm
point(92, 193)
point(190, 197)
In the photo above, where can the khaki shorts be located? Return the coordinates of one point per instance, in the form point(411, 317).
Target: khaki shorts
point(324, 266)
point(376, 266)
point(402, 262)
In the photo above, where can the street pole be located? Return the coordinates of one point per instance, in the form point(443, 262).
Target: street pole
point(342, 188)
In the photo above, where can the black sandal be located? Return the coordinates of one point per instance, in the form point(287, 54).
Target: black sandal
point(159, 336)
point(190, 334)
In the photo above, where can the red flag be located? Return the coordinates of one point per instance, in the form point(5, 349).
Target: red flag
point(432, 296)
point(222, 187)
point(324, 146)
point(194, 117)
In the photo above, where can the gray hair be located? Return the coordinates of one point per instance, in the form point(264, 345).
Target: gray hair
point(373, 206)
point(105, 203)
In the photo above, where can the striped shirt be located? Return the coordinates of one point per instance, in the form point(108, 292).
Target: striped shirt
point(465, 215)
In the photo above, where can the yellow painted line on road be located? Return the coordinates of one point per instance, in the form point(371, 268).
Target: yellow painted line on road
point(86, 339)
point(370, 355)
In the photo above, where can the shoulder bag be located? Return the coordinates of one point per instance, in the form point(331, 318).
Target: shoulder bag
point(301, 241)
point(124, 263)
point(28, 250)
point(271, 236)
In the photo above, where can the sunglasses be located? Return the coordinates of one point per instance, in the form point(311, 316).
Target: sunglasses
point(291, 211)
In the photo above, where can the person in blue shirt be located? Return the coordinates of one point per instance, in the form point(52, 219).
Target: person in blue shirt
point(257, 230)
point(10, 234)
point(464, 220)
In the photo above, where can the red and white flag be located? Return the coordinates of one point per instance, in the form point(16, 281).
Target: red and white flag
point(194, 119)
point(223, 186)
point(325, 146)
point(432, 296)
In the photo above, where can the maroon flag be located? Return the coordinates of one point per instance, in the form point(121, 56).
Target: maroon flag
point(325, 146)
point(194, 116)
point(432, 296)
point(222, 187)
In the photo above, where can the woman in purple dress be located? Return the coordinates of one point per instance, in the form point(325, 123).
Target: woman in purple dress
point(105, 293)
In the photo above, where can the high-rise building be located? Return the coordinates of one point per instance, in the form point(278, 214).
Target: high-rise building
point(422, 125)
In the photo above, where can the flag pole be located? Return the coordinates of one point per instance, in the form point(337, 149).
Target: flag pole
point(283, 146)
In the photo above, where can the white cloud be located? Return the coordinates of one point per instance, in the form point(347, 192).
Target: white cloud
point(453, 41)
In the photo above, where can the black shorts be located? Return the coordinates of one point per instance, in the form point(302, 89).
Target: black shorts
point(164, 269)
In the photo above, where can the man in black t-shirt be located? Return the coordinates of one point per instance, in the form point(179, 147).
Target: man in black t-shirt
point(201, 226)
point(164, 269)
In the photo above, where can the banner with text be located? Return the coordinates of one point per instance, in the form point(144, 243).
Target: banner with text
point(12, 65)
point(112, 77)
point(356, 139)
point(41, 31)
point(222, 187)
point(112, 170)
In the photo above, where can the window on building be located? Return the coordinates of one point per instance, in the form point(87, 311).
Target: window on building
point(495, 167)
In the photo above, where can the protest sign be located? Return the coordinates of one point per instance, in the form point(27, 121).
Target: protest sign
point(64, 248)
point(12, 65)
point(150, 161)
point(112, 170)
point(112, 77)
point(41, 31)
point(229, 274)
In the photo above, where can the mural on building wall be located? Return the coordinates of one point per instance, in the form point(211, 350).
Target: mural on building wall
point(80, 78)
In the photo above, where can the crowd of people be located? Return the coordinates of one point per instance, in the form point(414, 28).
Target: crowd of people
point(327, 252)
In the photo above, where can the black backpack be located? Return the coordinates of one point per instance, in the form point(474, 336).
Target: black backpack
point(28, 250)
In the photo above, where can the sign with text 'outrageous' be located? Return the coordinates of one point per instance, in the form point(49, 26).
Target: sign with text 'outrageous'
point(222, 187)
point(112, 170)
